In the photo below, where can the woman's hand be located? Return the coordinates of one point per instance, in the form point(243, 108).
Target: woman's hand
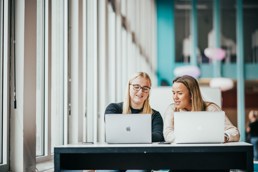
point(226, 138)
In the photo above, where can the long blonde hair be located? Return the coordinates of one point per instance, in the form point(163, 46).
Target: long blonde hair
point(127, 100)
point(192, 85)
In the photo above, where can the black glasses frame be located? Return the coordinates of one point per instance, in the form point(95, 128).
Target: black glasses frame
point(144, 89)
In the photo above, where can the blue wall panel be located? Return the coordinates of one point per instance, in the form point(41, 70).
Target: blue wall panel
point(165, 40)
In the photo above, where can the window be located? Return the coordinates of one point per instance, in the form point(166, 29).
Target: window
point(1, 80)
point(40, 105)
point(4, 50)
point(43, 128)
point(59, 73)
point(52, 79)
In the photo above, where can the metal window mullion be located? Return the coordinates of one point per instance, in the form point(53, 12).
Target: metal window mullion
point(102, 46)
point(5, 81)
point(66, 77)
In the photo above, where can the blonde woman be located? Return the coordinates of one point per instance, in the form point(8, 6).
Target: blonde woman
point(137, 101)
point(187, 97)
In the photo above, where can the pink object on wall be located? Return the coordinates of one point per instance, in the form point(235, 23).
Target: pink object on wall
point(191, 70)
point(223, 83)
point(215, 53)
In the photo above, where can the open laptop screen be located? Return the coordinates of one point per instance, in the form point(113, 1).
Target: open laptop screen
point(199, 127)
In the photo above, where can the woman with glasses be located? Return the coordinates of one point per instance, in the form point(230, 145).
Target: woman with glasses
point(137, 101)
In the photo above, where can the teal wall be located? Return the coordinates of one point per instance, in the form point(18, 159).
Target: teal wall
point(165, 40)
point(229, 70)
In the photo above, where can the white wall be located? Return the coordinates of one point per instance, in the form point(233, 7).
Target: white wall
point(161, 97)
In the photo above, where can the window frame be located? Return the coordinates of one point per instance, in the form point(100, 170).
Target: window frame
point(5, 44)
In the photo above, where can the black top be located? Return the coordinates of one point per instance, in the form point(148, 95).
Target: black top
point(254, 129)
point(157, 121)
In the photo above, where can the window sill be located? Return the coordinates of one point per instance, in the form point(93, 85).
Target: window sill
point(46, 166)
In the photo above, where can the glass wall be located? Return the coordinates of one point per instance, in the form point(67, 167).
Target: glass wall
point(91, 48)
point(85, 52)
point(40, 101)
point(205, 31)
point(4, 84)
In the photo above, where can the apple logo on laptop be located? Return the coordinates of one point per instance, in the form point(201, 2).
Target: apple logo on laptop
point(128, 128)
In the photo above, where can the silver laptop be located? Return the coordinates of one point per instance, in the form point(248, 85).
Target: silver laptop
point(199, 127)
point(131, 128)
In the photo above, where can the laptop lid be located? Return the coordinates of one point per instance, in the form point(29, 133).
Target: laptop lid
point(131, 128)
point(199, 127)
